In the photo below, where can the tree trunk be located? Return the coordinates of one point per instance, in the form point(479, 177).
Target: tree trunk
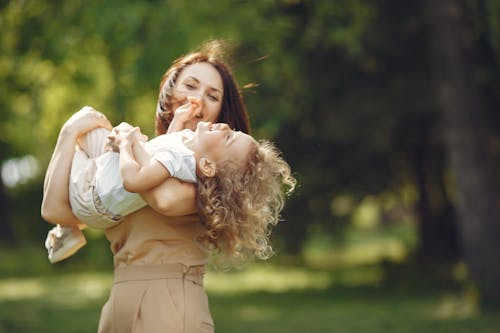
point(7, 233)
point(458, 98)
point(438, 246)
point(437, 225)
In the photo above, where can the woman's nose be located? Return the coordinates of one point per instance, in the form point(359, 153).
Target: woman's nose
point(199, 109)
point(199, 113)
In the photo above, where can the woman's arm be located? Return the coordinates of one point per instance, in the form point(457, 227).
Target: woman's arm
point(55, 204)
point(172, 198)
point(140, 172)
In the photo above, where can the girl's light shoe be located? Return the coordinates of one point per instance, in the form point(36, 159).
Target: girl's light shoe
point(63, 242)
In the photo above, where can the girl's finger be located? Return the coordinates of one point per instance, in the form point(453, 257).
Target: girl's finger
point(183, 108)
point(194, 100)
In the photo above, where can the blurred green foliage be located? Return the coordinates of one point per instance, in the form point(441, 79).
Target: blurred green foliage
point(342, 86)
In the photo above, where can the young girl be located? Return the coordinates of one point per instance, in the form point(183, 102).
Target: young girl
point(239, 181)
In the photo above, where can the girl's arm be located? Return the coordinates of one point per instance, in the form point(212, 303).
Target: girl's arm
point(184, 113)
point(140, 172)
point(172, 197)
point(55, 203)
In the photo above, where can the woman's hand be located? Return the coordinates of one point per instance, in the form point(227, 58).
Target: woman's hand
point(85, 120)
point(184, 113)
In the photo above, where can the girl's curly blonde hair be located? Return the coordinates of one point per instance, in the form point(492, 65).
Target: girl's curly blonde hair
point(239, 206)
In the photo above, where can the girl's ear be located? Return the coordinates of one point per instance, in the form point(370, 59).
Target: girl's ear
point(207, 167)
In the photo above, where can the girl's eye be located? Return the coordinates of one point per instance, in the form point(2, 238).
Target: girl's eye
point(213, 98)
point(189, 86)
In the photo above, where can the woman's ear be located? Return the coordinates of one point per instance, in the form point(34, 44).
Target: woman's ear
point(207, 167)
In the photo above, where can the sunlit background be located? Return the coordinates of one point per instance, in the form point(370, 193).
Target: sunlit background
point(386, 110)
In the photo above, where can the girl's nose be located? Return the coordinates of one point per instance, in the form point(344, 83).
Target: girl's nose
point(220, 126)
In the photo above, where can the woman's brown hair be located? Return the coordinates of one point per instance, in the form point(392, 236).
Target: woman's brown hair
point(233, 111)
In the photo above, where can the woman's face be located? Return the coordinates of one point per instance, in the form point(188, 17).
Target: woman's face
point(203, 81)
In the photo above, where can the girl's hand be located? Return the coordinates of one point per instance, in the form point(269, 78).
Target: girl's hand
point(185, 113)
point(189, 110)
point(111, 144)
point(123, 127)
point(85, 120)
point(123, 135)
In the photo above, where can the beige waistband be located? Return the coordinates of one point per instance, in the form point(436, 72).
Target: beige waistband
point(158, 272)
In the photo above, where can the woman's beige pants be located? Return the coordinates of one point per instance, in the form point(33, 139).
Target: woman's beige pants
point(157, 298)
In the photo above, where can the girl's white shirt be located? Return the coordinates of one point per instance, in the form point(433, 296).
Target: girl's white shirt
point(168, 149)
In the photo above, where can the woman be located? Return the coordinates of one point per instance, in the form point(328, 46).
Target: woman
point(159, 263)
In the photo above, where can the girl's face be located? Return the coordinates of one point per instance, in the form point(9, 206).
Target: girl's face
point(203, 81)
point(219, 143)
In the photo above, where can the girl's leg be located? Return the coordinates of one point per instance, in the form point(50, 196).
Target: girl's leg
point(63, 241)
point(90, 145)
point(93, 143)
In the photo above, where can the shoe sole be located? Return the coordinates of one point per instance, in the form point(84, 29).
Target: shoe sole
point(67, 250)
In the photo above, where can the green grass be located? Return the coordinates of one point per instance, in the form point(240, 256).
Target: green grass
point(344, 310)
point(341, 288)
point(293, 300)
